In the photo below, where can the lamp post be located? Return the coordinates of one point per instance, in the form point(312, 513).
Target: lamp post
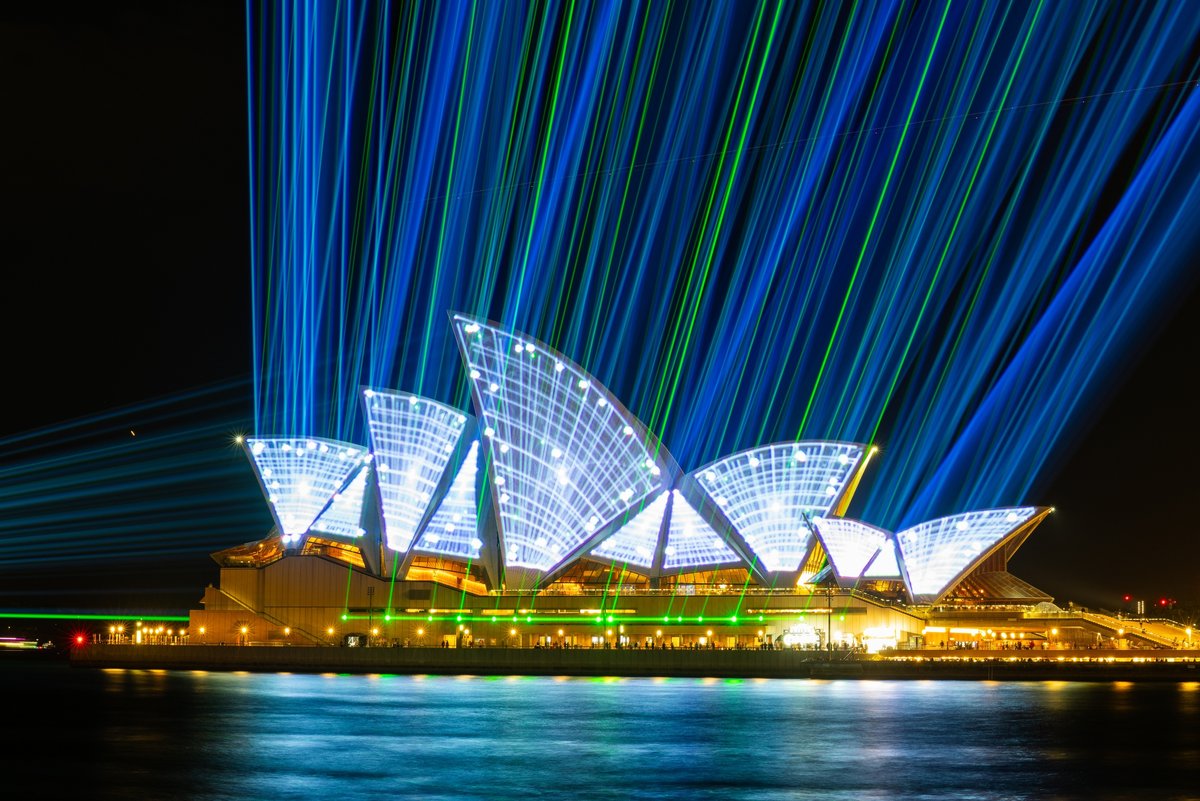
point(829, 622)
point(370, 609)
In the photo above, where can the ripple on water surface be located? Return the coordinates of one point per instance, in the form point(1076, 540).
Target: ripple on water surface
point(283, 736)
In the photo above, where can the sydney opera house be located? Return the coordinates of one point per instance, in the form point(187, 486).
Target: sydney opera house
point(553, 517)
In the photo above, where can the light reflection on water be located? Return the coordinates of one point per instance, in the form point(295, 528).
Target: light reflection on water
point(134, 734)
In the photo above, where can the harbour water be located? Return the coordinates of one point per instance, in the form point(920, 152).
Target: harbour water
point(207, 735)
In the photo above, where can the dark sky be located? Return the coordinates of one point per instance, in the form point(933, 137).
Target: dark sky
point(123, 189)
point(125, 204)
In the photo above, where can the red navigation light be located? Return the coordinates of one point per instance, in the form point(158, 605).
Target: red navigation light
point(1127, 599)
point(79, 639)
point(1162, 602)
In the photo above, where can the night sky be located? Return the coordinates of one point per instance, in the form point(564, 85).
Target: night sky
point(125, 242)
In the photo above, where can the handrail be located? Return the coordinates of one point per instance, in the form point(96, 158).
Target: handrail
point(271, 618)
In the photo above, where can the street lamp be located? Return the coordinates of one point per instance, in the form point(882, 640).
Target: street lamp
point(829, 620)
point(370, 609)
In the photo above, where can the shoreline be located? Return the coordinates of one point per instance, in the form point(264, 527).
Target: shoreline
point(753, 664)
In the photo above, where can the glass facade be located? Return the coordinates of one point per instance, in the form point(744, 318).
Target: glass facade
point(453, 530)
point(636, 542)
point(692, 542)
point(566, 458)
point(412, 439)
point(885, 565)
point(849, 544)
point(300, 476)
point(937, 551)
point(767, 492)
point(343, 516)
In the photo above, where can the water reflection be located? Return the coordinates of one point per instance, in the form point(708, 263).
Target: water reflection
point(279, 736)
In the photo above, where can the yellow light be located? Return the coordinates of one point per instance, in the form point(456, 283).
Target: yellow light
point(287, 630)
point(710, 632)
point(512, 632)
point(658, 633)
point(560, 632)
point(239, 439)
point(374, 632)
point(329, 631)
point(170, 632)
point(1054, 632)
point(245, 629)
point(466, 631)
point(420, 632)
point(121, 629)
point(760, 632)
point(202, 629)
point(621, 629)
point(112, 629)
point(609, 632)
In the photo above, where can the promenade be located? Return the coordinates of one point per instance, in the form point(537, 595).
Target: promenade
point(1089, 665)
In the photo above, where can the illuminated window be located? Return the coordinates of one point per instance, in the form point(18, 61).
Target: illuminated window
point(849, 544)
point(319, 546)
point(636, 541)
point(766, 493)
point(300, 476)
point(453, 531)
point(412, 438)
point(692, 542)
point(568, 464)
point(343, 516)
point(937, 551)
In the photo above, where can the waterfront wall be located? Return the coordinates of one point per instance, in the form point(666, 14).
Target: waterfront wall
point(602, 662)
